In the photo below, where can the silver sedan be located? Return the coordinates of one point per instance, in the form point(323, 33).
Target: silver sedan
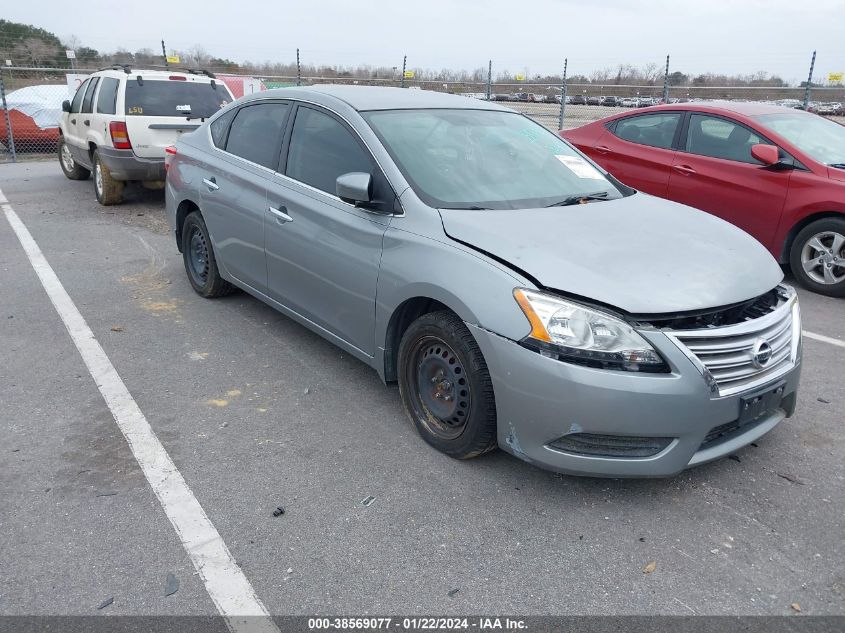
point(520, 295)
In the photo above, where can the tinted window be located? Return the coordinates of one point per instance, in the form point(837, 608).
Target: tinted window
point(220, 127)
point(174, 98)
point(88, 100)
point(821, 138)
point(655, 130)
point(719, 138)
point(107, 99)
point(77, 98)
point(256, 133)
point(321, 149)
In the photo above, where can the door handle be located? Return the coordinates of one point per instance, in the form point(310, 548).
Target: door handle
point(684, 169)
point(87, 121)
point(211, 184)
point(602, 149)
point(281, 214)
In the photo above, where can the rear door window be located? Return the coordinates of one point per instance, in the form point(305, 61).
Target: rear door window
point(107, 99)
point(220, 127)
point(88, 101)
point(654, 130)
point(151, 97)
point(256, 133)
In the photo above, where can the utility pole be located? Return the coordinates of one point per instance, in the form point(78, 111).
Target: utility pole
point(164, 54)
point(298, 70)
point(404, 64)
point(666, 82)
point(489, 79)
point(11, 139)
point(809, 83)
point(563, 95)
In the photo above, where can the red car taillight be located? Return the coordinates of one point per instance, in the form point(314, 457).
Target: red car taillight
point(119, 135)
point(169, 154)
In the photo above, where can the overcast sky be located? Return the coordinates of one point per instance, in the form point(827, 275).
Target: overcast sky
point(730, 36)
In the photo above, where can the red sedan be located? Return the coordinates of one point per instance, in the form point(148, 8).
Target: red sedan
point(777, 173)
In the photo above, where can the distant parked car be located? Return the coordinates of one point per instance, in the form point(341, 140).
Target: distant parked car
point(830, 108)
point(610, 101)
point(628, 102)
point(644, 102)
point(501, 97)
point(34, 114)
point(778, 174)
point(594, 100)
point(578, 100)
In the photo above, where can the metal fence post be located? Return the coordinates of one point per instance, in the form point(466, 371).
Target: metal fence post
point(489, 79)
point(809, 83)
point(402, 79)
point(666, 82)
point(10, 142)
point(164, 54)
point(562, 96)
point(298, 70)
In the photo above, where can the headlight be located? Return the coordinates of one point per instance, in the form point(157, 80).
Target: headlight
point(577, 334)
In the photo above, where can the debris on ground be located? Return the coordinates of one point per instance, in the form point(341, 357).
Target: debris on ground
point(171, 585)
point(279, 511)
point(735, 458)
point(105, 603)
point(106, 494)
point(641, 539)
point(367, 501)
point(823, 401)
point(289, 571)
point(117, 328)
point(453, 592)
point(650, 567)
point(791, 478)
point(307, 391)
point(795, 607)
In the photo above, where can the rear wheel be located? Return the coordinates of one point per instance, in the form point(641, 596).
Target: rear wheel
point(817, 257)
point(109, 191)
point(445, 386)
point(200, 263)
point(70, 168)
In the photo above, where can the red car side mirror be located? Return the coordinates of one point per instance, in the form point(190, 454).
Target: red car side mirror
point(766, 154)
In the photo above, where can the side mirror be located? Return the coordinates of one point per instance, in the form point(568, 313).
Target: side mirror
point(65, 106)
point(766, 154)
point(355, 187)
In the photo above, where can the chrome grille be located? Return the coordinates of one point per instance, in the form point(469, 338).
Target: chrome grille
point(733, 358)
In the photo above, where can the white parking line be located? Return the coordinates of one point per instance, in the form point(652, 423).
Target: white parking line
point(824, 339)
point(226, 584)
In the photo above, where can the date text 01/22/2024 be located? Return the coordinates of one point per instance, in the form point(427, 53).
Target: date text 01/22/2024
point(416, 624)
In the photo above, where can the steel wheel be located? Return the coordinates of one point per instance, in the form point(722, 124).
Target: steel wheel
point(98, 179)
point(198, 255)
point(823, 258)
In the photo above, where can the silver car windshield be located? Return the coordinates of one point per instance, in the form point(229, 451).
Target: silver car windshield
point(482, 159)
point(821, 139)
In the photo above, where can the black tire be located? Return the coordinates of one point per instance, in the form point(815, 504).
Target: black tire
point(820, 269)
point(108, 190)
point(70, 168)
point(200, 263)
point(438, 355)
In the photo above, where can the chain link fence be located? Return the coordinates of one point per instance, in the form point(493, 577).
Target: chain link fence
point(32, 100)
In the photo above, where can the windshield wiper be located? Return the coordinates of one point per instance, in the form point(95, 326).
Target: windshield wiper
point(585, 197)
point(838, 165)
point(472, 208)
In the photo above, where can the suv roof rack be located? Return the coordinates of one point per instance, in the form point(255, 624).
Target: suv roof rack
point(127, 68)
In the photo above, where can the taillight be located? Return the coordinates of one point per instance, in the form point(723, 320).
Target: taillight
point(177, 78)
point(119, 135)
point(169, 154)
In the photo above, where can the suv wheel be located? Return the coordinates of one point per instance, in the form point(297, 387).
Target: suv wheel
point(70, 168)
point(200, 263)
point(445, 386)
point(817, 257)
point(109, 191)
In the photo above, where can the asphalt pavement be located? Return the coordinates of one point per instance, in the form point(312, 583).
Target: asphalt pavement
point(257, 412)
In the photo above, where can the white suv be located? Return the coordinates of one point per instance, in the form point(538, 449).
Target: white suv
point(121, 120)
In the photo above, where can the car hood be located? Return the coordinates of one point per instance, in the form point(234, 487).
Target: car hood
point(642, 254)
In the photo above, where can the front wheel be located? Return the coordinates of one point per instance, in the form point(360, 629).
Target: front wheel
point(109, 191)
point(445, 386)
point(817, 257)
point(71, 169)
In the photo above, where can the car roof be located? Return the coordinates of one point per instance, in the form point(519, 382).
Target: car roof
point(365, 98)
point(743, 108)
point(152, 74)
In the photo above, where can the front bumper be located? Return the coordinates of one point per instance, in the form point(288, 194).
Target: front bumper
point(539, 400)
point(125, 165)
